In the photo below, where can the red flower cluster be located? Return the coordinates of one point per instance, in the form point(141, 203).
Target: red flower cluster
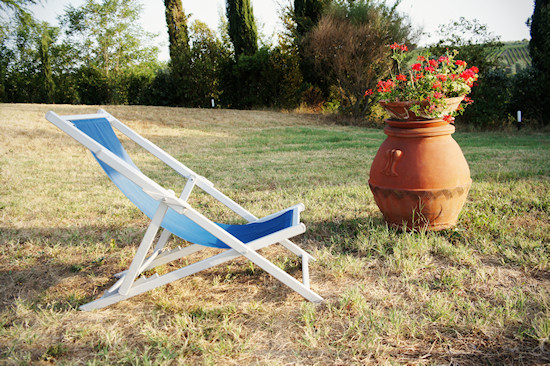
point(385, 86)
point(402, 47)
point(429, 79)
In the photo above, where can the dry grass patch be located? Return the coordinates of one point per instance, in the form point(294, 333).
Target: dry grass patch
point(475, 294)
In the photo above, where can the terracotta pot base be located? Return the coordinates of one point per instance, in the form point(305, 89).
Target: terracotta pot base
point(434, 210)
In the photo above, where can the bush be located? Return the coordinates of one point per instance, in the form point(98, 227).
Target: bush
point(269, 78)
point(491, 107)
point(528, 95)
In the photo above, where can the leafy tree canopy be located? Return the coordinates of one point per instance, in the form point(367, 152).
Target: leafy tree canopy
point(108, 35)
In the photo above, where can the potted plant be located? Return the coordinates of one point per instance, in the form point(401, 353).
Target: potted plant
point(419, 177)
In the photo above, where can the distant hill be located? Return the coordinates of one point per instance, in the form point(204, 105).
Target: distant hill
point(514, 56)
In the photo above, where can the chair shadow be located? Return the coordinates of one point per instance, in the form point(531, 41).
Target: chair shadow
point(40, 279)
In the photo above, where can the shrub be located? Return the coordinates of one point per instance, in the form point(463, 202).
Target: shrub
point(491, 107)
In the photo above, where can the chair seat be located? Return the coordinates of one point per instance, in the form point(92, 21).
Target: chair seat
point(101, 131)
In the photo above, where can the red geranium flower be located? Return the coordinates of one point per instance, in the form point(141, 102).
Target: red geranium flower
point(394, 46)
point(433, 63)
point(448, 118)
point(430, 68)
point(417, 67)
point(460, 63)
point(368, 92)
point(421, 58)
point(401, 77)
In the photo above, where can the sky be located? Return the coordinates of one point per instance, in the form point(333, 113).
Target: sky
point(504, 18)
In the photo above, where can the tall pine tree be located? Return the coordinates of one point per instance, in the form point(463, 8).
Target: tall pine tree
point(242, 27)
point(180, 52)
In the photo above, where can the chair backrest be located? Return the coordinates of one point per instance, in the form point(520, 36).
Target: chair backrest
point(100, 130)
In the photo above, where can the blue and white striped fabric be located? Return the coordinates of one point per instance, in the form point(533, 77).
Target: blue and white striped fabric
point(101, 131)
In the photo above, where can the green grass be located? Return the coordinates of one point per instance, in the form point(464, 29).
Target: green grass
point(475, 294)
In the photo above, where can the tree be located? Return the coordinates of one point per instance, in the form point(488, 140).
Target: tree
point(475, 43)
point(540, 54)
point(20, 60)
point(207, 55)
point(46, 38)
point(349, 47)
point(17, 6)
point(109, 39)
point(242, 27)
point(539, 45)
point(180, 57)
point(307, 14)
point(108, 35)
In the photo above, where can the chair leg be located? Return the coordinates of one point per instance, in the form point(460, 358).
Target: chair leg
point(143, 285)
point(143, 248)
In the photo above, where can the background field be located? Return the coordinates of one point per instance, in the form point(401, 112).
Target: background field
point(476, 294)
point(514, 56)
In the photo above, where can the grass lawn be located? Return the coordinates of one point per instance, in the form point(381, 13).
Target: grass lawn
point(476, 294)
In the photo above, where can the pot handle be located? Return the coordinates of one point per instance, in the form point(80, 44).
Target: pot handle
point(392, 158)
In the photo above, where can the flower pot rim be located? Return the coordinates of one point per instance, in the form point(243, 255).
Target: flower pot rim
point(385, 101)
point(420, 123)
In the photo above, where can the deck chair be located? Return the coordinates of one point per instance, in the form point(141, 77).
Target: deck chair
point(174, 215)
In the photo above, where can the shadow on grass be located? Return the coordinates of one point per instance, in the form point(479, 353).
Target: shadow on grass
point(61, 269)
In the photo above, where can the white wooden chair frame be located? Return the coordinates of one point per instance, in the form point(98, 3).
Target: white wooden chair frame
point(129, 282)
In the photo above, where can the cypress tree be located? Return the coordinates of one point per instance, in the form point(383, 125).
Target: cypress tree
point(242, 27)
point(45, 64)
point(307, 14)
point(180, 60)
point(539, 46)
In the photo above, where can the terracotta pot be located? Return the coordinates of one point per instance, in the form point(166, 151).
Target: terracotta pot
point(419, 177)
point(401, 110)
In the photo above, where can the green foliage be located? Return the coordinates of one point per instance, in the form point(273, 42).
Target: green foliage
point(47, 37)
point(267, 78)
point(349, 46)
point(108, 35)
point(539, 47)
point(529, 95)
point(207, 56)
point(475, 43)
point(21, 61)
point(93, 86)
point(491, 107)
point(242, 27)
point(180, 58)
point(307, 14)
